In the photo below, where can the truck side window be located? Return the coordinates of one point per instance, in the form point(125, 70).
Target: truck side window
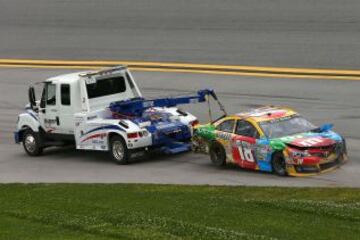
point(104, 87)
point(226, 126)
point(43, 97)
point(244, 128)
point(50, 94)
point(65, 94)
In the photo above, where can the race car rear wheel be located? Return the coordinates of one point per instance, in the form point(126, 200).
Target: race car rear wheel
point(32, 143)
point(118, 150)
point(217, 154)
point(278, 164)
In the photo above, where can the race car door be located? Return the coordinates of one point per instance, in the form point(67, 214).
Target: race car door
point(224, 134)
point(244, 144)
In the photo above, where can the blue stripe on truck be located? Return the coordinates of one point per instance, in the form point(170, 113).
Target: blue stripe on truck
point(115, 127)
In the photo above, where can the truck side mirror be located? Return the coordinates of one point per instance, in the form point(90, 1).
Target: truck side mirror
point(32, 99)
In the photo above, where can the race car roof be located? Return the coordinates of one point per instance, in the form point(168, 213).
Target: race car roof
point(267, 113)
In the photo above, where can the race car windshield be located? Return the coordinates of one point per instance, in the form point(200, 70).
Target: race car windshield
point(286, 126)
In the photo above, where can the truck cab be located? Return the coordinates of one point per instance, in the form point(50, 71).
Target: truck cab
point(74, 109)
point(67, 96)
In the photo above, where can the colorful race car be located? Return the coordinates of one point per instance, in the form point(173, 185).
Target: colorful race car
point(271, 139)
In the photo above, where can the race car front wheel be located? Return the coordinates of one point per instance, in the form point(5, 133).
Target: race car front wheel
point(278, 164)
point(32, 143)
point(118, 150)
point(217, 154)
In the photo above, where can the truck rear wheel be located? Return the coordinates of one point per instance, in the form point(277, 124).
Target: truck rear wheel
point(32, 143)
point(118, 150)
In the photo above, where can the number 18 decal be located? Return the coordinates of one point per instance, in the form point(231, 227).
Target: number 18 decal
point(245, 152)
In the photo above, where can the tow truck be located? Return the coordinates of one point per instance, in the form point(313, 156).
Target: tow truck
point(105, 111)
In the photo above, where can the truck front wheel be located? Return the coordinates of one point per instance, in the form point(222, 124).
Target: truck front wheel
point(118, 150)
point(32, 143)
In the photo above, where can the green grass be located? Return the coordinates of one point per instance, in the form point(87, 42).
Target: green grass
point(130, 211)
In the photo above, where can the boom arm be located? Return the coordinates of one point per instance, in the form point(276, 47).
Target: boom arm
point(136, 107)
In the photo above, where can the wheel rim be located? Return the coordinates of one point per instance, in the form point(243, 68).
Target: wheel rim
point(30, 143)
point(279, 165)
point(216, 153)
point(118, 150)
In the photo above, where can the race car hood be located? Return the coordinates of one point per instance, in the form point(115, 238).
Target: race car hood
point(316, 141)
point(310, 139)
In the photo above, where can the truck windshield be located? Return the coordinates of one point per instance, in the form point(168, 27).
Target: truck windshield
point(286, 126)
point(106, 87)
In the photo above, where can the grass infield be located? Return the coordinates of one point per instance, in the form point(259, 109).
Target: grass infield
point(133, 211)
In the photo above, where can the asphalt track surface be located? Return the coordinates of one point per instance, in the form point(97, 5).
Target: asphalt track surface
point(304, 33)
point(321, 101)
point(280, 33)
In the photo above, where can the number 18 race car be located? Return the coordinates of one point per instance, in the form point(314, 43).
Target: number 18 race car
point(271, 139)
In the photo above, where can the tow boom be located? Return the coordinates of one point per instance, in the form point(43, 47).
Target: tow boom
point(137, 106)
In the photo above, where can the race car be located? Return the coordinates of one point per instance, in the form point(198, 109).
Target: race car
point(271, 139)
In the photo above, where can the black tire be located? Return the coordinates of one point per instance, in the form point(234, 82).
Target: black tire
point(32, 143)
point(278, 164)
point(118, 150)
point(344, 146)
point(217, 154)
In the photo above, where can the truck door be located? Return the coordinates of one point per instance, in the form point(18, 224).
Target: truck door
point(66, 108)
point(49, 108)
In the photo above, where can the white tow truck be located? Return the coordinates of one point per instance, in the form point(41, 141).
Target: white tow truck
point(105, 111)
